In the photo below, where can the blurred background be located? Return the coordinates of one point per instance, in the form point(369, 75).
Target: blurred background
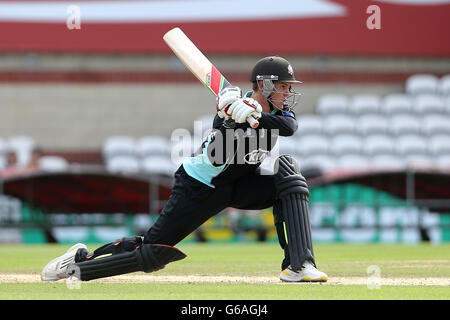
point(92, 104)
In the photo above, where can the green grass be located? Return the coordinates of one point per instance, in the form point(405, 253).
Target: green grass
point(249, 259)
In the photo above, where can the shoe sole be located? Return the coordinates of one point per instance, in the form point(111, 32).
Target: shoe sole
point(304, 279)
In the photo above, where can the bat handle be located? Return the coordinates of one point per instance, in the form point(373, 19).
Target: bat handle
point(252, 122)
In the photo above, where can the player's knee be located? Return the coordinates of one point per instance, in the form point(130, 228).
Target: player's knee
point(288, 177)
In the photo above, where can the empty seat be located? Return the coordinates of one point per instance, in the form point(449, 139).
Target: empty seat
point(345, 144)
point(153, 145)
point(388, 162)
point(377, 144)
point(444, 85)
point(421, 83)
point(158, 165)
point(435, 124)
point(439, 144)
point(23, 146)
point(411, 144)
point(119, 146)
point(53, 163)
point(123, 164)
point(322, 162)
point(309, 124)
point(443, 161)
point(336, 124)
point(313, 144)
point(352, 161)
point(428, 103)
point(332, 104)
point(405, 123)
point(396, 104)
point(419, 160)
point(288, 146)
point(365, 104)
point(368, 124)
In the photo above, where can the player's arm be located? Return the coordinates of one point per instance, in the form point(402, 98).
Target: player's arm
point(284, 122)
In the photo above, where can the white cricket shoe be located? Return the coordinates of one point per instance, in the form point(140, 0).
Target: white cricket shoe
point(57, 268)
point(308, 273)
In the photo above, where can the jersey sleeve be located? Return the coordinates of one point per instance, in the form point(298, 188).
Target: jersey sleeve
point(284, 121)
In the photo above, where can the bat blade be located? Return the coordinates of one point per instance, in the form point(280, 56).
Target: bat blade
point(198, 64)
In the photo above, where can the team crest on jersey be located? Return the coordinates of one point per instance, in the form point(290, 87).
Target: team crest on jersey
point(256, 156)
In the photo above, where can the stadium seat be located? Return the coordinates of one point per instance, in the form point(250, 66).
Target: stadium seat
point(313, 144)
point(365, 104)
point(123, 164)
point(442, 161)
point(158, 165)
point(388, 162)
point(23, 146)
point(444, 86)
point(428, 104)
point(309, 124)
point(439, 144)
point(345, 144)
point(53, 163)
point(419, 160)
point(396, 103)
point(377, 144)
point(408, 144)
point(289, 146)
point(352, 161)
point(336, 124)
point(332, 104)
point(153, 145)
point(372, 124)
point(322, 162)
point(421, 83)
point(119, 146)
point(405, 123)
point(436, 124)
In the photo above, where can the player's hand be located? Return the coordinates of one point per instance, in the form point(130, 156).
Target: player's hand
point(244, 108)
point(225, 99)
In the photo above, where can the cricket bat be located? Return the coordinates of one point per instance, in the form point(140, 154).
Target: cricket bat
point(198, 64)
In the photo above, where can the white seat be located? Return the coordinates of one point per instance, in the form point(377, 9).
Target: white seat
point(387, 161)
point(422, 160)
point(321, 161)
point(345, 144)
point(435, 124)
point(421, 83)
point(23, 146)
point(444, 85)
point(289, 145)
point(377, 144)
point(123, 164)
point(411, 144)
point(372, 124)
point(443, 161)
point(439, 144)
point(352, 161)
point(52, 163)
point(309, 124)
point(365, 104)
point(119, 146)
point(313, 144)
point(405, 123)
point(396, 103)
point(158, 165)
point(153, 145)
point(336, 124)
point(428, 103)
point(332, 104)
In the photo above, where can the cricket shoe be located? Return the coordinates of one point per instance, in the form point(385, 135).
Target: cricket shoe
point(57, 268)
point(308, 273)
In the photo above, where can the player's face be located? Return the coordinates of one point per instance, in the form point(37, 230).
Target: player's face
point(280, 93)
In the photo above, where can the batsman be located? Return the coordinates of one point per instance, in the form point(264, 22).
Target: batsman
point(224, 172)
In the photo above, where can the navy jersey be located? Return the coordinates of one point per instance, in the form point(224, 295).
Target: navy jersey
point(230, 153)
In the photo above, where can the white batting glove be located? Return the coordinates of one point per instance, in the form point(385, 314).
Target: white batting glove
point(225, 99)
point(244, 108)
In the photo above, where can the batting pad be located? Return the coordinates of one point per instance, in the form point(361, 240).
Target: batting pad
point(147, 258)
